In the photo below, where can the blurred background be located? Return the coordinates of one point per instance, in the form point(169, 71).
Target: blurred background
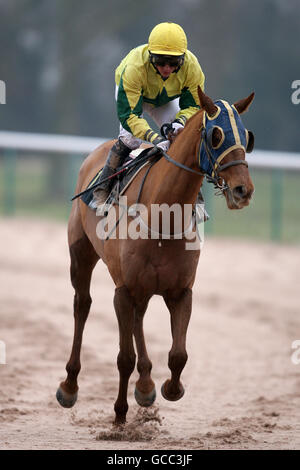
point(58, 59)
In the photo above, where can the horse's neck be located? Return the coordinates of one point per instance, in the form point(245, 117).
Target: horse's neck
point(177, 185)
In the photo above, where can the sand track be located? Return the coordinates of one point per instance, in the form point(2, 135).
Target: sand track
point(242, 390)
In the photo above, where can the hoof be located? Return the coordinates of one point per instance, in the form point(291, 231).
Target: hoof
point(119, 422)
point(170, 396)
point(66, 400)
point(145, 399)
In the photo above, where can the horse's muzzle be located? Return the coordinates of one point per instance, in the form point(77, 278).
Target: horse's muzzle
point(239, 196)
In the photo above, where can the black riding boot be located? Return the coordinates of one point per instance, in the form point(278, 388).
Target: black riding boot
point(117, 155)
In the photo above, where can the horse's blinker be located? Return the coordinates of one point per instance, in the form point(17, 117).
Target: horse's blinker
point(233, 136)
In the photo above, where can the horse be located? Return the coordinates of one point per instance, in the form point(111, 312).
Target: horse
point(143, 267)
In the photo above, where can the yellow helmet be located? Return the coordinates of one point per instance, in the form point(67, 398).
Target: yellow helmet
point(167, 39)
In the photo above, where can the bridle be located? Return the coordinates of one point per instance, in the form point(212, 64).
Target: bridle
point(218, 182)
point(216, 167)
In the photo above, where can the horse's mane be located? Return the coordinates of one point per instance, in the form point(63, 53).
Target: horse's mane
point(193, 118)
point(190, 123)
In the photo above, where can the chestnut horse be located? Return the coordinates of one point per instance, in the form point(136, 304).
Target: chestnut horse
point(141, 268)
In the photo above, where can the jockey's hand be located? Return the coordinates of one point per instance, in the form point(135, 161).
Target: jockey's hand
point(176, 127)
point(164, 145)
point(169, 130)
point(166, 130)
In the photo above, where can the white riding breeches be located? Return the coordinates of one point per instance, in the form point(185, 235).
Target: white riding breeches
point(160, 116)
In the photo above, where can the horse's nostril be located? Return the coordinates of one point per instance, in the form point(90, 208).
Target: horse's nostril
point(240, 191)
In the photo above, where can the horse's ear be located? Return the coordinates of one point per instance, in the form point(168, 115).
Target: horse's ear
point(207, 103)
point(250, 141)
point(243, 105)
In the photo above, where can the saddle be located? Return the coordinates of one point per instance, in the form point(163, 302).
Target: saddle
point(125, 175)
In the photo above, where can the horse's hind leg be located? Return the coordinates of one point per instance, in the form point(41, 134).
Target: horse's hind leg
point(124, 308)
point(180, 307)
point(145, 393)
point(83, 261)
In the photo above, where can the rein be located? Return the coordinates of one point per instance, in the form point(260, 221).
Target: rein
point(180, 165)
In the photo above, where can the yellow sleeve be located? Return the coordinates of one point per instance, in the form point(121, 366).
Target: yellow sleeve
point(189, 100)
point(130, 105)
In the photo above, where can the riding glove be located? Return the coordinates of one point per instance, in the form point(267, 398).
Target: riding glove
point(171, 128)
point(164, 145)
point(176, 127)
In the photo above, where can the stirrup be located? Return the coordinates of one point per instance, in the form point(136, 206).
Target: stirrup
point(99, 199)
point(202, 214)
point(102, 209)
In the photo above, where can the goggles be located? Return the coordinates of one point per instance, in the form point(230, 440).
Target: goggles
point(171, 60)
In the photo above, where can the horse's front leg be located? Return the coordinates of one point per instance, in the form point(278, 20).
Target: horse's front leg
point(124, 307)
point(145, 393)
point(83, 261)
point(180, 307)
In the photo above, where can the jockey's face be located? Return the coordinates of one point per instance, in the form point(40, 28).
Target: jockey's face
point(165, 70)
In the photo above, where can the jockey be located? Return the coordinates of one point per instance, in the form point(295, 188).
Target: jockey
point(161, 79)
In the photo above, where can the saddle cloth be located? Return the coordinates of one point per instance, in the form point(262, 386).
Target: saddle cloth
point(122, 181)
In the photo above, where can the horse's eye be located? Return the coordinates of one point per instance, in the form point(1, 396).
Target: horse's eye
point(215, 137)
